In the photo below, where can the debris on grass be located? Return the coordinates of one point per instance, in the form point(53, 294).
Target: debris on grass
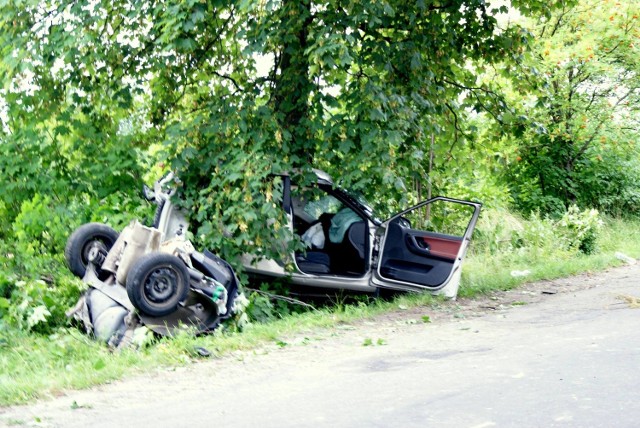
point(634, 302)
point(520, 273)
point(628, 260)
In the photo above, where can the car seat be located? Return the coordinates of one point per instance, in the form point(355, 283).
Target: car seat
point(348, 257)
point(317, 261)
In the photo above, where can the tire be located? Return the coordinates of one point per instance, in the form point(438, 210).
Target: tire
point(158, 214)
point(156, 283)
point(85, 238)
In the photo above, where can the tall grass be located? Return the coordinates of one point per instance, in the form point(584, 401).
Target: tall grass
point(495, 259)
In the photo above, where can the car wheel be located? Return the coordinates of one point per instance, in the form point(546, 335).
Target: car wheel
point(85, 243)
point(156, 283)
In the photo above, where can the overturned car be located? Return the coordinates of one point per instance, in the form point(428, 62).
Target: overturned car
point(148, 276)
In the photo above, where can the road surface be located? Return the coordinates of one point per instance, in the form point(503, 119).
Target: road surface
point(553, 354)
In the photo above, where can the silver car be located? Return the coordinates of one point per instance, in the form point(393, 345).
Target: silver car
point(347, 247)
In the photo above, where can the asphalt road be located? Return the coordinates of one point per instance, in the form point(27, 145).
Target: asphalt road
point(570, 360)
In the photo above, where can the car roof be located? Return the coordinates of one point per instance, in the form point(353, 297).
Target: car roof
point(322, 177)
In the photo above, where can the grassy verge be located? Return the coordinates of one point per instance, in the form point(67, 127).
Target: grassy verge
point(485, 271)
point(34, 366)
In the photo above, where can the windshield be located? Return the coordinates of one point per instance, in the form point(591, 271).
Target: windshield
point(357, 199)
point(325, 204)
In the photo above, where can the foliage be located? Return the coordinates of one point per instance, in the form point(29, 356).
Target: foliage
point(384, 95)
point(610, 183)
point(35, 287)
point(581, 229)
point(38, 306)
point(6, 285)
point(579, 91)
point(241, 90)
point(497, 231)
point(539, 236)
point(39, 230)
point(545, 256)
point(261, 309)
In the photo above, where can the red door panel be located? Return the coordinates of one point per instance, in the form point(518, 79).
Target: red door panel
point(442, 247)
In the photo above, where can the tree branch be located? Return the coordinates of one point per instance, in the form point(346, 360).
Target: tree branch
point(601, 122)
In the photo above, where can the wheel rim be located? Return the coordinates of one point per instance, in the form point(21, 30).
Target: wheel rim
point(161, 285)
point(95, 245)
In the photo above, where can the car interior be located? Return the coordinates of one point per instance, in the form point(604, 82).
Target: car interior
point(335, 235)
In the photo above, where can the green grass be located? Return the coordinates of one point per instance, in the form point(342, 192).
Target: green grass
point(34, 367)
point(485, 271)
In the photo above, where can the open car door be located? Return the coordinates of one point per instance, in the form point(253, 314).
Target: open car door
point(422, 248)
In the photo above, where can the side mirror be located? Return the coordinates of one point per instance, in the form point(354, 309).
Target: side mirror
point(403, 221)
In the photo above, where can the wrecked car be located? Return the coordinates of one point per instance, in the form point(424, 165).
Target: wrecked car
point(153, 276)
point(347, 247)
point(148, 276)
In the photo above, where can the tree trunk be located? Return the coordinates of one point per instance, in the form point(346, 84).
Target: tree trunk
point(293, 86)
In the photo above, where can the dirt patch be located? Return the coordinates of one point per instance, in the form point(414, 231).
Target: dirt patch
point(496, 301)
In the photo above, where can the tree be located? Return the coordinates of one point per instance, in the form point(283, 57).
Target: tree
point(354, 87)
point(583, 94)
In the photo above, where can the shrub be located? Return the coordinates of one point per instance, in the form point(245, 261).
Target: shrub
point(35, 286)
point(580, 229)
point(38, 305)
point(497, 230)
point(502, 231)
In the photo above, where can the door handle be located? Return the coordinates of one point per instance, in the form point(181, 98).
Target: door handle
point(416, 246)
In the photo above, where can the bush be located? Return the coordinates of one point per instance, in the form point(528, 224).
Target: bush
point(497, 230)
point(501, 231)
point(538, 232)
point(6, 286)
point(41, 227)
point(580, 229)
point(38, 305)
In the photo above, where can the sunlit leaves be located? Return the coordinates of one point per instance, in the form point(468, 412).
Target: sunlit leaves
point(237, 91)
point(584, 94)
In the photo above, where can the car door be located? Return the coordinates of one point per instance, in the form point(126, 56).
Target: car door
point(422, 248)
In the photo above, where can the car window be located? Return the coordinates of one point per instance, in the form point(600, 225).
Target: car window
point(315, 202)
point(444, 217)
point(362, 203)
point(326, 204)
